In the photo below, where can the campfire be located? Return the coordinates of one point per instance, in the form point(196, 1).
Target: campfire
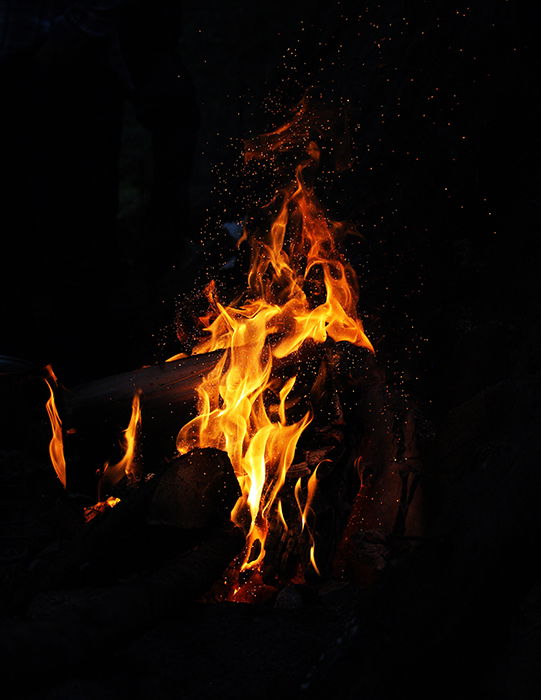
point(273, 422)
point(313, 471)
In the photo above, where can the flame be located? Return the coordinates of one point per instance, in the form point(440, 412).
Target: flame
point(280, 512)
point(306, 510)
point(178, 356)
point(300, 288)
point(56, 445)
point(126, 465)
point(313, 557)
point(312, 483)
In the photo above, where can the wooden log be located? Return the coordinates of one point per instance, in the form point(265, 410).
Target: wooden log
point(362, 436)
point(95, 414)
point(199, 489)
point(169, 382)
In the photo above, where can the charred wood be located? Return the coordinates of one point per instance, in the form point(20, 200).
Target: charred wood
point(169, 383)
point(198, 490)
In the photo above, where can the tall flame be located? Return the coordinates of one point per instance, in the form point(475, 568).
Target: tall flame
point(56, 445)
point(126, 465)
point(242, 404)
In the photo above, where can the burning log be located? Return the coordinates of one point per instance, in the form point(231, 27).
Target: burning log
point(198, 490)
point(95, 413)
point(331, 445)
point(167, 383)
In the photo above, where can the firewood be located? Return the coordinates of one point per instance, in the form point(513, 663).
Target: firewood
point(197, 490)
point(169, 382)
point(95, 414)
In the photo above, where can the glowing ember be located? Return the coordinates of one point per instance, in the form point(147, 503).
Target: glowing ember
point(299, 288)
point(56, 446)
point(91, 511)
point(126, 465)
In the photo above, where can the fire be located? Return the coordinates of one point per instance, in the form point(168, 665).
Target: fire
point(56, 445)
point(305, 510)
point(126, 465)
point(111, 474)
point(300, 289)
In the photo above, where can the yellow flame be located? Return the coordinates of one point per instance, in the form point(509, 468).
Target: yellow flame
point(281, 516)
point(297, 492)
point(178, 356)
point(304, 511)
point(56, 445)
point(313, 558)
point(242, 404)
point(312, 484)
point(126, 465)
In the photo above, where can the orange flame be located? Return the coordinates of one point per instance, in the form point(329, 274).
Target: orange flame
point(56, 445)
point(178, 356)
point(242, 404)
point(126, 465)
point(280, 512)
point(283, 138)
point(312, 483)
point(306, 510)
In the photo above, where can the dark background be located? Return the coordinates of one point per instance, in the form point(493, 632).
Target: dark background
point(444, 187)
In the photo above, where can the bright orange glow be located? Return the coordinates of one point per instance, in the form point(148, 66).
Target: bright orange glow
point(300, 289)
point(126, 465)
point(178, 356)
point(56, 446)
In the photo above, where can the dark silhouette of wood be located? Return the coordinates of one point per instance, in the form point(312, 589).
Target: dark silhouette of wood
point(169, 382)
